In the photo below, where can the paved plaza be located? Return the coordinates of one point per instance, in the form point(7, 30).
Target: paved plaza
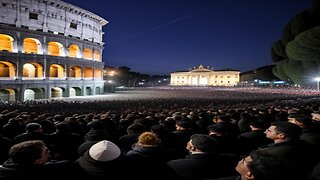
point(209, 93)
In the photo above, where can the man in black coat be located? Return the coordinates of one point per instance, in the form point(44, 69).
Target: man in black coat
point(201, 163)
point(29, 161)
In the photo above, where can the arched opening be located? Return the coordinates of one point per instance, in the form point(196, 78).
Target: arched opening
point(56, 71)
point(88, 91)
point(32, 70)
point(88, 72)
point(98, 90)
point(98, 73)
point(75, 72)
point(96, 55)
point(55, 49)
point(33, 93)
point(7, 70)
point(56, 92)
point(29, 94)
point(31, 45)
point(7, 95)
point(6, 43)
point(87, 53)
point(74, 51)
point(75, 91)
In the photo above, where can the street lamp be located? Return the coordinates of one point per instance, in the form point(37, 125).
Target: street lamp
point(318, 80)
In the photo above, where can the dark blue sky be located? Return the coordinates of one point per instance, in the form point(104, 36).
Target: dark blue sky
point(163, 36)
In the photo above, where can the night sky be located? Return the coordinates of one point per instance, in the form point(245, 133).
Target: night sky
point(158, 37)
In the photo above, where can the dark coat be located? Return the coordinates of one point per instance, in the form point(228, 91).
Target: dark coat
point(103, 170)
point(252, 140)
point(32, 136)
point(152, 153)
point(196, 166)
point(141, 170)
point(297, 152)
point(65, 145)
point(48, 171)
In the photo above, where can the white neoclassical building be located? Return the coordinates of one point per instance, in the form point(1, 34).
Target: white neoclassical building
point(49, 48)
point(202, 76)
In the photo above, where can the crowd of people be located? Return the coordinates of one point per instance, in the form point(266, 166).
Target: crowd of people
point(233, 133)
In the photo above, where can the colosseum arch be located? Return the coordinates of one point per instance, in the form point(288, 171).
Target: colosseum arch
point(6, 43)
point(56, 71)
point(7, 70)
point(88, 91)
point(57, 92)
point(31, 45)
point(7, 95)
point(55, 49)
point(96, 55)
point(33, 93)
point(32, 70)
point(75, 91)
point(74, 51)
point(98, 90)
point(97, 73)
point(87, 72)
point(87, 53)
point(75, 72)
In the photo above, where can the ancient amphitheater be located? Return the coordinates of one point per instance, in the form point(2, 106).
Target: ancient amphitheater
point(49, 48)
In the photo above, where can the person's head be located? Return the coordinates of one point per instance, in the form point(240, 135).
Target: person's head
point(262, 166)
point(217, 130)
point(29, 152)
point(136, 128)
point(33, 127)
point(96, 124)
point(104, 151)
point(201, 143)
point(148, 139)
point(315, 116)
point(183, 125)
point(62, 127)
point(223, 118)
point(158, 129)
point(283, 131)
point(301, 120)
point(257, 125)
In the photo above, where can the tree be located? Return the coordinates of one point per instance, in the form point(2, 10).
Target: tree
point(297, 54)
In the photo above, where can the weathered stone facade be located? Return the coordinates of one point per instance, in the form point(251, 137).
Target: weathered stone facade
point(49, 48)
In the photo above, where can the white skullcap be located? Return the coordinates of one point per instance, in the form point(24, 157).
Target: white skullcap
point(104, 151)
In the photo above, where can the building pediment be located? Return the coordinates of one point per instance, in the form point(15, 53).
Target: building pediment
point(201, 68)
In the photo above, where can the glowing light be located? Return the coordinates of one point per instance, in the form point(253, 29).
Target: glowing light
point(318, 80)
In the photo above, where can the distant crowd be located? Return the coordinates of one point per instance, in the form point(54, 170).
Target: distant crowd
point(181, 133)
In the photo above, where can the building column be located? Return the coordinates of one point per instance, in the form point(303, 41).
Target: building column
point(67, 89)
point(83, 90)
point(198, 80)
point(20, 93)
point(48, 92)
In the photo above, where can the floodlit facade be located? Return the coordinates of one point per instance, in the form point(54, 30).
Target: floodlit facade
point(48, 49)
point(202, 76)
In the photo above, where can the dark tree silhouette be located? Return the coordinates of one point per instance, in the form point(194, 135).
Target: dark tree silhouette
point(297, 53)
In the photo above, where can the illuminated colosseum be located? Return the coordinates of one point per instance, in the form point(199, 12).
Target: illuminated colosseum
point(48, 49)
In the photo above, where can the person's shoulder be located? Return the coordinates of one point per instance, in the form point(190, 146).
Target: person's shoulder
point(57, 164)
